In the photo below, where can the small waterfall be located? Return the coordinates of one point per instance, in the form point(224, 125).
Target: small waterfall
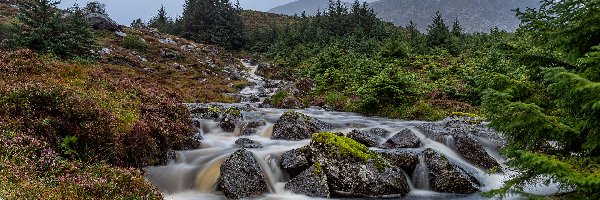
point(449, 141)
point(266, 132)
point(208, 177)
point(420, 176)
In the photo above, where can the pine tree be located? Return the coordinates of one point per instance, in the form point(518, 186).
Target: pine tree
point(213, 21)
point(437, 32)
point(162, 21)
point(457, 30)
point(44, 29)
point(138, 23)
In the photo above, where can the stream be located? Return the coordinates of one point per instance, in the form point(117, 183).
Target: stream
point(195, 174)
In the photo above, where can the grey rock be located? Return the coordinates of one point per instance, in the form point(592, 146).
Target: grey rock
point(247, 143)
point(447, 177)
point(249, 127)
point(294, 126)
point(458, 133)
point(120, 34)
point(295, 161)
point(404, 159)
point(241, 176)
point(100, 21)
point(379, 132)
point(364, 138)
point(311, 182)
point(355, 176)
point(167, 41)
point(404, 139)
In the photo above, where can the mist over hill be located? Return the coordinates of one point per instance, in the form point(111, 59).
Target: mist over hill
point(474, 15)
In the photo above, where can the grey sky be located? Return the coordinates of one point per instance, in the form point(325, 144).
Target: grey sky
point(125, 11)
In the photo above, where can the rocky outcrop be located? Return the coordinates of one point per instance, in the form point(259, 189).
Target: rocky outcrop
point(247, 143)
point(355, 171)
point(203, 111)
point(241, 176)
point(364, 138)
point(311, 182)
point(295, 126)
point(295, 161)
point(404, 139)
point(459, 134)
point(445, 176)
point(102, 22)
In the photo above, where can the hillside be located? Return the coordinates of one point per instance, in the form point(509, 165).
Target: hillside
point(310, 6)
point(474, 15)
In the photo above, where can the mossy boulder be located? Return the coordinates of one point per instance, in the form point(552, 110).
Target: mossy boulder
point(241, 176)
point(296, 126)
point(404, 139)
point(311, 182)
point(354, 170)
point(445, 176)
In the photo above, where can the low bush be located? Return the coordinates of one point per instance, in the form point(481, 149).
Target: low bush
point(134, 42)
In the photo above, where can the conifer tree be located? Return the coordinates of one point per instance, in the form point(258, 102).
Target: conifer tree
point(44, 29)
point(162, 21)
point(457, 29)
point(437, 32)
point(213, 21)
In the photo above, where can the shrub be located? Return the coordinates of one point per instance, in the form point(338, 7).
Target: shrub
point(392, 87)
point(134, 42)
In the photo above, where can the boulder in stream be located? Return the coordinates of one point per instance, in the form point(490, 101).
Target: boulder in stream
point(445, 176)
point(295, 126)
point(230, 117)
point(459, 135)
point(247, 143)
point(379, 132)
point(355, 171)
point(404, 139)
point(404, 159)
point(241, 176)
point(295, 161)
point(311, 182)
point(364, 138)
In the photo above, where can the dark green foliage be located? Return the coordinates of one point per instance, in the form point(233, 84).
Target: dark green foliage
point(95, 7)
point(137, 23)
point(134, 42)
point(554, 132)
point(43, 28)
point(213, 21)
point(437, 32)
point(390, 88)
point(162, 22)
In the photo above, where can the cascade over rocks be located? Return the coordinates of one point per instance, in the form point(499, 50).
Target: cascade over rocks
point(296, 126)
point(364, 138)
point(445, 176)
point(249, 127)
point(295, 161)
point(311, 182)
point(241, 176)
point(355, 171)
point(404, 139)
point(459, 134)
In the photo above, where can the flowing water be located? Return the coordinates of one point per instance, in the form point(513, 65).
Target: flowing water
point(194, 174)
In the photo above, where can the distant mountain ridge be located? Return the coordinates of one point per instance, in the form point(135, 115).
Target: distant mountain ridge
point(474, 15)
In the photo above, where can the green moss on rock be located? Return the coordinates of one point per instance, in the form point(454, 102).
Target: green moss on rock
point(344, 146)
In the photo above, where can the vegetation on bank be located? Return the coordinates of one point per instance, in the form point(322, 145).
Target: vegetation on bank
point(80, 116)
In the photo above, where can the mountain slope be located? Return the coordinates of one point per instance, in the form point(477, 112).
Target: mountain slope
point(310, 6)
point(474, 15)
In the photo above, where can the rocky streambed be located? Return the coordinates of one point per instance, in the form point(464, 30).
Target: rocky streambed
point(249, 151)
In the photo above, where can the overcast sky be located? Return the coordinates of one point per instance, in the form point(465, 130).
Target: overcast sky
point(125, 11)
